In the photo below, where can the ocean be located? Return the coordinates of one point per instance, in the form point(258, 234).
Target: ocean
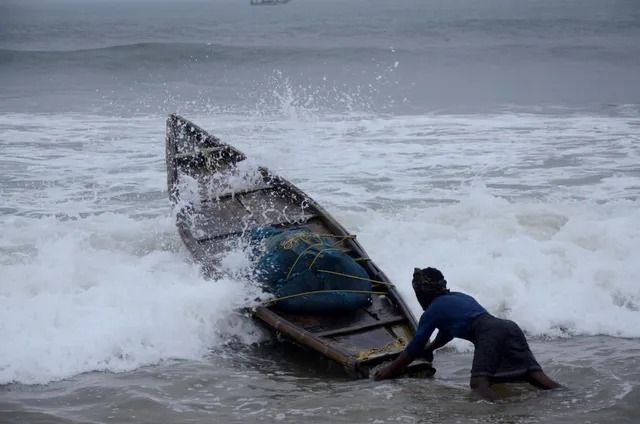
point(496, 140)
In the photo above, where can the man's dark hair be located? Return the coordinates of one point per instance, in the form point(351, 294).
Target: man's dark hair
point(429, 280)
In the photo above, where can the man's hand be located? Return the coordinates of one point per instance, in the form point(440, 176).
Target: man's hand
point(384, 373)
point(428, 355)
point(394, 368)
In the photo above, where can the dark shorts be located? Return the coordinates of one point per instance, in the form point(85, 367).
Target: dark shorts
point(501, 349)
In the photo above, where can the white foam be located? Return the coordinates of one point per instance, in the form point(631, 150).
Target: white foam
point(556, 269)
point(536, 216)
point(85, 301)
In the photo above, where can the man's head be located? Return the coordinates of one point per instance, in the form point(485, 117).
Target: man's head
point(428, 284)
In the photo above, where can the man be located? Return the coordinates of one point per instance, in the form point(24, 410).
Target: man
point(502, 353)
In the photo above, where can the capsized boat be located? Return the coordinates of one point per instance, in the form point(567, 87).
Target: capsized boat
point(221, 198)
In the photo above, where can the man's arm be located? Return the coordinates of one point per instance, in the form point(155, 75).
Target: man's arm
point(426, 327)
point(440, 341)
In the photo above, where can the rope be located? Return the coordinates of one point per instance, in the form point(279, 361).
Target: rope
point(307, 238)
point(317, 236)
point(288, 244)
point(302, 253)
point(398, 343)
point(277, 299)
point(320, 253)
point(354, 277)
point(348, 236)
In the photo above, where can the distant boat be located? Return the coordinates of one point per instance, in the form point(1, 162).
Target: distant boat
point(268, 2)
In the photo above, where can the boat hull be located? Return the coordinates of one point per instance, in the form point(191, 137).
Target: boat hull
point(213, 214)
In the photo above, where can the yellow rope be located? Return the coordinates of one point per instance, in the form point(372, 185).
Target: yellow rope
point(398, 343)
point(327, 271)
point(307, 238)
point(354, 277)
point(287, 244)
point(300, 255)
point(320, 253)
point(348, 236)
point(277, 299)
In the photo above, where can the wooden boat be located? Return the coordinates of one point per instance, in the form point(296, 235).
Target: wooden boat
point(212, 214)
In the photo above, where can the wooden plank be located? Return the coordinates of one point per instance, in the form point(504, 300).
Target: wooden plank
point(218, 219)
point(376, 341)
point(269, 208)
point(240, 232)
point(241, 193)
point(296, 333)
point(354, 328)
point(320, 323)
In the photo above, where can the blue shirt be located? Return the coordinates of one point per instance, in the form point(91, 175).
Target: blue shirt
point(452, 314)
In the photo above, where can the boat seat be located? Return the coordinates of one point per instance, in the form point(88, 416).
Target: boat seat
point(231, 194)
point(355, 328)
point(241, 232)
point(235, 214)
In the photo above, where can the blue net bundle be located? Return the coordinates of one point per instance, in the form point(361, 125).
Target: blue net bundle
point(296, 261)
